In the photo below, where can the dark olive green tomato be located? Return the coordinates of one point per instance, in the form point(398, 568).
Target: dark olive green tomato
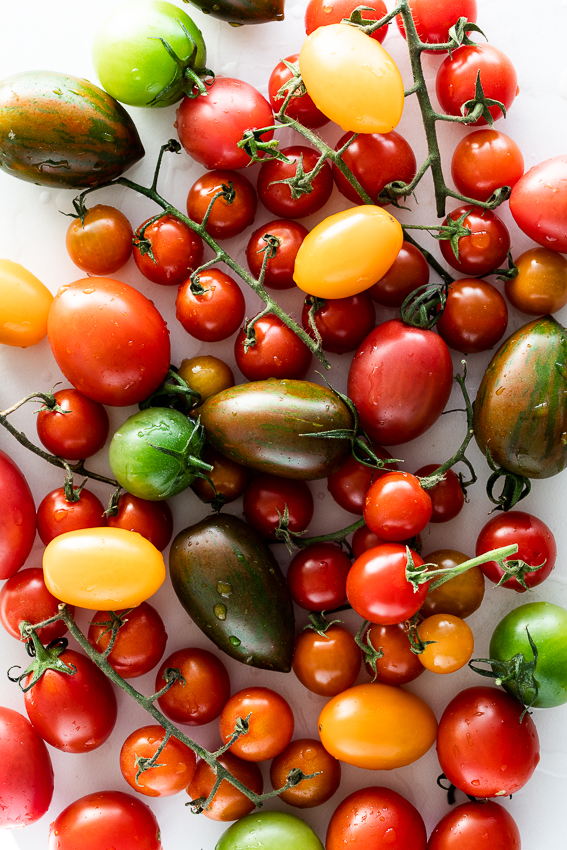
point(242, 11)
point(131, 60)
point(273, 425)
point(547, 625)
point(156, 453)
point(58, 130)
point(271, 831)
point(230, 584)
point(520, 412)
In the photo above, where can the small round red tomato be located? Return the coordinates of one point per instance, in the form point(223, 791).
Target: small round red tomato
point(206, 688)
point(56, 515)
point(79, 432)
point(408, 272)
point(487, 246)
point(376, 817)
point(342, 323)
point(229, 478)
point(26, 773)
point(101, 243)
point(479, 825)
point(396, 506)
point(175, 765)
point(349, 484)
point(364, 539)
point(536, 547)
point(475, 316)
point(109, 340)
point(321, 13)
point(461, 595)
point(140, 641)
point(398, 664)
point(175, 249)
point(279, 197)
point(74, 712)
point(105, 819)
point(281, 240)
point(268, 498)
point(377, 587)
point(451, 646)
point(447, 497)
point(540, 287)
point(270, 727)
point(433, 20)
point(17, 518)
point(484, 161)
point(214, 314)
point(456, 79)
point(276, 353)
point(483, 748)
point(25, 597)
point(209, 128)
point(326, 664)
point(226, 219)
point(309, 756)
point(228, 803)
point(316, 577)
point(153, 520)
point(539, 203)
point(375, 159)
point(300, 107)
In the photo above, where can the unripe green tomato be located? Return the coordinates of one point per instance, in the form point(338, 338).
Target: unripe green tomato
point(270, 831)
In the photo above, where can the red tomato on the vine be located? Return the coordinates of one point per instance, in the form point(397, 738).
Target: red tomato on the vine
point(225, 219)
point(140, 641)
point(300, 107)
point(267, 498)
point(277, 352)
point(101, 243)
point(153, 520)
point(56, 515)
point(535, 541)
point(282, 238)
point(484, 161)
point(326, 664)
point(79, 432)
point(176, 251)
point(408, 272)
point(475, 316)
point(25, 597)
point(447, 497)
point(214, 314)
point(396, 506)
point(375, 159)
point(434, 18)
point(484, 249)
point(342, 323)
point(321, 13)
point(175, 766)
point(457, 75)
point(279, 197)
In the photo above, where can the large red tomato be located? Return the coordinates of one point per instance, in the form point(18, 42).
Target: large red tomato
point(17, 518)
point(26, 774)
point(400, 380)
point(482, 826)
point(376, 818)
point(539, 203)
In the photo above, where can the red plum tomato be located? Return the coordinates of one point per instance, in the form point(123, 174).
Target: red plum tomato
point(215, 313)
point(536, 547)
point(349, 484)
point(433, 20)
point(316, 577)
point(326, 664)
point(540, 287)
point(397, 665)
point(277, 352)
point(205, 692)
point(300, 107)
point(483, 826)
point(484, 161)
point(408, 272)
point(78, 432)
point(456, 79)
point(447, 497)
point(375, 818)
point(26, 773)
point(377, 587)
point(539, 203)
point(228, 803)
point(101, 243)
point(268, 498)
point(281, 240)
point(342, 323)
point(309, 756)
point(25, 597)
point(396, 506)
point(485, 249)
point(153, 520)
point(475, 316)
point(230, 215)
point(209, 128)
point(174, 251)
point(17, 518)
point(375, 159)
point(140, 641)
point(277, 196)
point(56, 515)
point(321, 13)
point(270, 725)
point(175, 768)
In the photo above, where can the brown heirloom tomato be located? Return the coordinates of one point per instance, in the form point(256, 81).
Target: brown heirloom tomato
point(461, 595)
point(230, 479)
point(540, 286)
point(310, 756)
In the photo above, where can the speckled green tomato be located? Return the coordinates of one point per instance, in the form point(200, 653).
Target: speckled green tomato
point(156, 453)
point(270, 831)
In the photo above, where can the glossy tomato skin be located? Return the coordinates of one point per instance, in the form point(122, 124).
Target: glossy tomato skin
point(447, 497)
point(451, 643)
point(24, 306)
point(433, 20)
point(342, 323)
point(408, 272)
point(101, 243)
point(475, 316)
point(26, 773)
point(177, 251)
point(277, 197)
point(487, 246)
point(206, 689)
point(210, 127)
point(272, 831)
point(216, 313)
point(461, 595)
point(79, 432)
point(175, 768)
point(456, 79)
point(536, 546)
point(140, 641)
point(109, 340)
point(539, 203)
point(56, 515)
point(366, 726)
point(349, 484)
point(230, 479)
point(270, 725)
point(483, 748)
point(74, 712)
point(326, 664)
point(316, 577)
point(398, 664)
point(400, 381)
point(310, 756)
point(374, 818)
point(396, 506)
point(17, 518)
point(375, 159)
point(105, 819)
point(486, 826)
point(540, 286)
point(225, 219)
point(277, 353)
point(321, 13)
point(25, 597)
point(377, 587)
point(300, 108)
point(153, 520)
point(228, 803)
point(279, 269)
point(266, 499)
point(484, 161)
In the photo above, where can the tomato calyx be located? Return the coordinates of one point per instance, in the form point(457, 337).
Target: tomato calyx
point(257, 148)
point(43, 658)
point(174, 393)
point(417, 644)
point(479, 105)
point(515, 487)
point(193, 78)
point(319, 623)
point(517, 673)
point(370, 653)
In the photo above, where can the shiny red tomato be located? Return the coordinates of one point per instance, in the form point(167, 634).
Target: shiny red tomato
point(270, 725)
point(475, 316)
point(140, 641)
point(375, 159)
point(206, 689)
point(484, 161)
point(225, 219)
point(215, 314)
point(342, 323)
point(478, 826)
point(228, 803)
point(25, 597)
point(447, 497)
point(153, 520)
point(539, 203)
point(284, 239)
point(176, 250)
point(409, 271)
point(400, 381)
point(398, 664)
point(277, 352)
point(17, 518)
point(487, 246)
point(175, 764)
point(536, 546)
point(300, 107)
point(376, 818)
point(79, 432)
point(109, 340)
point(55, 515)
point(349, 484)
point(101, 243)
point(456, 79)
point(434, 18)
point(268, 497)
point(26, 773)
point(278, 197)
point(316, 577)
point(363, 539)
point(326, 664)
point(309, 756)
point(105, 819)
point(396, 506)
point(321, 13)
point(209, 128)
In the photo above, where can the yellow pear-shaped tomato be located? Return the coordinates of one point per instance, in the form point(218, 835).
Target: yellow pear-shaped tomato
point(376, 726)
point(351, 79)
point(102, 568)
point(24, 304)
point(348, 252)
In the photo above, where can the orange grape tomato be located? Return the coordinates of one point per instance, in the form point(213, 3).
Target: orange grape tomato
point(540, 286)
point(452, 643)
point(24, 305)
point(460, 596)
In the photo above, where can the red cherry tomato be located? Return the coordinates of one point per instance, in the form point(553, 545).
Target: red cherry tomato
point(268, 497)
point(55, 515)
point(471, 825)
point(363, 539)
point(300, 107)
point(17, 518)
point(434, 18)
point(487, 246)
point(78, 433)
point(175, 764)
point(25, 597)
point(282, 239)
point(375, 159)
point(326, 664)
point(398, 665)
point(376, 817)
point(206, 689)
point(349, 484)
point(447, 497)
point(321, 13)
point(311, 757)
point(409, 271)
point(377, 587)
point(456, 79)
point(536, 546)
point(215, 314)
point(316, 577)
point(26, 773)
point(225, 219)
point(475, 316)
point(396, 506)
point(484, 161)
point(228, 803)
point(342, 323)
point(153, 520)
point(176, 249)
point(101, 243)
point(140, 641)
point(277, 196)
point(270, 725)
point(277, 352)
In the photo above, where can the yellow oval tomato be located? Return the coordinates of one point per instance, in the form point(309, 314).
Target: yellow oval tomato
point(348, 252)
point(24, 304)
point(102, 568)
point(377, 727)
point(352, 79)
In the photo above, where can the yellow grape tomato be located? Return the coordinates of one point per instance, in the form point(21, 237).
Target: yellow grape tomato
point(102, 568)
point(24, 304)
point(352, 79)
point(348, 252)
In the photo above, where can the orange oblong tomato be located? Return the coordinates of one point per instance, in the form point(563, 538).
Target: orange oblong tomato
point(24, 305)
point(377, 727)
point(348, 252)
point(352, 79)
point(102, 568)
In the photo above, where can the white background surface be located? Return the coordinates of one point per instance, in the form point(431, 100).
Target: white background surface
point(57, 36)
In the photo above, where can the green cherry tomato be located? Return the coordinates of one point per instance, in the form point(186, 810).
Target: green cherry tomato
point(271, 831)
point(547, 625)
point(156, 453)
point(132, 60)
